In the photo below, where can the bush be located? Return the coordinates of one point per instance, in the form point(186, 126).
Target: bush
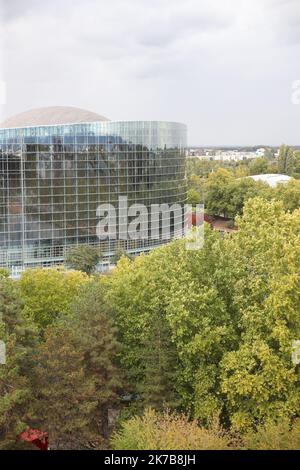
point(120, 253)
point(168, 431)
point(275, 436)
point(4, 273)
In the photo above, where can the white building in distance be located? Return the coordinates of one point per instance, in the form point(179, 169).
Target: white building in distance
point(272, 179)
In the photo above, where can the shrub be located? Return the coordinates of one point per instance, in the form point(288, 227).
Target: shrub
point(4, 273)
point(167, 431)
point(275, 436)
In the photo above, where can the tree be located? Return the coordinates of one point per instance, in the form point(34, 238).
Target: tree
point(48, 293)
point(83, 258)
point(120, 253)
point(75, 377)
point(258, 377)
point(239, 191)
point(226, 196)
point(231, 312)
point(269, 154)
point(159, 363)
point(289, 194)
point(295, 171)
point(258, 166)
point(173, 293)
point(194, 197)
point(15, 390)
point(215, 190)
point(100, 348)
point(64, 396)
point(285, 159)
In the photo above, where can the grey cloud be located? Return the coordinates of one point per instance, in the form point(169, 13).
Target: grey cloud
point(224, 68)
point(287, 22)
point(183, 21)
point(12, 9)
point(166, 34)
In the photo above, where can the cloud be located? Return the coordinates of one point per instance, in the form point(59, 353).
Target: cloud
point(225, 68)
point(18, 8)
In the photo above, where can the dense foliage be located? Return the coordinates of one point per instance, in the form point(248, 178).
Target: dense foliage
point(224, 188)
point(206, 334)
point(168, 432)
point(226, 316)
point(18, 336)
point(173, 431)
point(48, 293)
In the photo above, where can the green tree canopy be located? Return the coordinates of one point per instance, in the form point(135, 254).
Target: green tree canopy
point(97, 337)
point(83, 258)
point(259, 166)
point(48, 293)
point(194, 197)
point(259, 378)
point(63, 396)
point(19, 340)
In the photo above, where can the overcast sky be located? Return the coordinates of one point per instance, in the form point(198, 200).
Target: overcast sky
point(225, 68)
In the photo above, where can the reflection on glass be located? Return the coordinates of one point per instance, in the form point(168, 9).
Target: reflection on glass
point(52, 179)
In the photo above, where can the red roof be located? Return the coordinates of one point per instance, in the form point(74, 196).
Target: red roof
point(31, 435)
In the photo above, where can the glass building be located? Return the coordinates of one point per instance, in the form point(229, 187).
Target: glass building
point(57, 165)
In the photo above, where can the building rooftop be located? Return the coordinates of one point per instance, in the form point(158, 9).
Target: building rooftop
point(272, 179)
point(53, 115)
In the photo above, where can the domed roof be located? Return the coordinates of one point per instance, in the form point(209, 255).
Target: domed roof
point(53, 115)
point(272, 179)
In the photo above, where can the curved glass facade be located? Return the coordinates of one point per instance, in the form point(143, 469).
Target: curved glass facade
point(53, 178)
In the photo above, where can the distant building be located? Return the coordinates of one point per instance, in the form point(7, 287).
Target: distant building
point(260, 152)
point(272, 179)
point(234, 155)
point(195, 152)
